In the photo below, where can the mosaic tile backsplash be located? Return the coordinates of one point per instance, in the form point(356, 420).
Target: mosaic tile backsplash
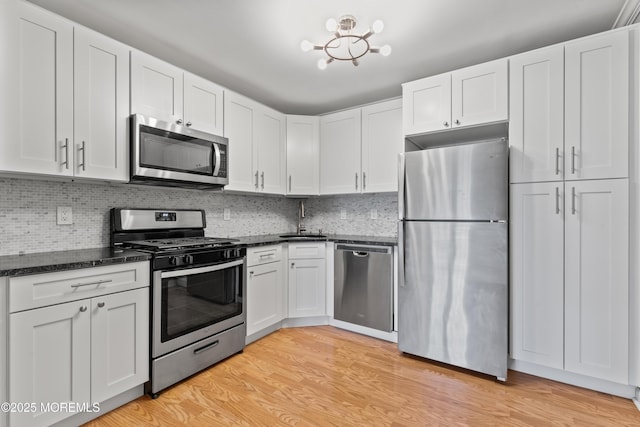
point(28, 213)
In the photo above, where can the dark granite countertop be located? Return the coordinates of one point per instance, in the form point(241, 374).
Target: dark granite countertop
point(270, 239)
point(20, 265)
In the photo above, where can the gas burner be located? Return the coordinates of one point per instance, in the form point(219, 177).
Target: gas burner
point(162, 245)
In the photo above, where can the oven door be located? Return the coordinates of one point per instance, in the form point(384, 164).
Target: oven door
point(194, 303)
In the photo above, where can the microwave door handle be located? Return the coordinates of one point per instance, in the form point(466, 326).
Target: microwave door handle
point(216, 167)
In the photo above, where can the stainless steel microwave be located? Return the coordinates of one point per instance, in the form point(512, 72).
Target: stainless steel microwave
point(164, 153)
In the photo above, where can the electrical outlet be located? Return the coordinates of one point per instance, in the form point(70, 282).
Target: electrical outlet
point(374, 214)
point(226, 214)
point(343, 214)
point(64, 215)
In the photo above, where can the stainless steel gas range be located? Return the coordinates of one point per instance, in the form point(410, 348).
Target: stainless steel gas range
point(197, 305)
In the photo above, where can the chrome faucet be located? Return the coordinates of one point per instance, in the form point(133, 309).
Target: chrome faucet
point(301, 227)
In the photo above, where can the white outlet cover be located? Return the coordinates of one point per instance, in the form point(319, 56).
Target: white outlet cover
point(226, 214)
point(374, 214)
point(64, 215)
point(343, 214)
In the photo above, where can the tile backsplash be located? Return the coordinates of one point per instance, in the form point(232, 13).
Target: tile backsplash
point(28, 213)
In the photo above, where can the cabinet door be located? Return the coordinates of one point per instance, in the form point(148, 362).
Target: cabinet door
point(307, 293)
point(597, 279)
point(340, 135)
point(239, 125)
point(303, 142)
point(119, 343)
point(265, 296)
point(156, 88)
point(537, 273)
point(37, 92)
point(426, 105)
point(203, 104)
point(49, 359)
point(382, 141)
point(597, 107)
point(479, 94)
point(536, 118)
point(270, 147)
point(101, 106)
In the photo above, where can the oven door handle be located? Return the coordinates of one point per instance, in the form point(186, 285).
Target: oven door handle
point(200, 270)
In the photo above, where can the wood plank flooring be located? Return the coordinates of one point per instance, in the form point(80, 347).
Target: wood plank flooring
point(324, 376)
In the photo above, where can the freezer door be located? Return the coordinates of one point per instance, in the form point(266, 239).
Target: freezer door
point(459, 182)
point(453, 301)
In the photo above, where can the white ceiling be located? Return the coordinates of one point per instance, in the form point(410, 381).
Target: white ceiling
point(253, 46)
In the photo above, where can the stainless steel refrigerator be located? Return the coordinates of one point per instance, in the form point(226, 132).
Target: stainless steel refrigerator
point(453, 231)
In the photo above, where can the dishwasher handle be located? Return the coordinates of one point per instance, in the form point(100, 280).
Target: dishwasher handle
point(362, 251)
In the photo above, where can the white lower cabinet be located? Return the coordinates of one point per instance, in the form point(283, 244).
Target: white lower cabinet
point(266, 297)
point(570, 276)
point(84, 351)
point(307, 280)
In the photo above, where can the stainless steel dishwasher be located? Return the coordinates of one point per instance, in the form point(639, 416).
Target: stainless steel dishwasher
point(363, 281)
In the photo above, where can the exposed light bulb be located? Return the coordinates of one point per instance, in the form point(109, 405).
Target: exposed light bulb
point(322, 64)
point(331, 25)
point(377, 26)
point(306, 45)
point(385, 50)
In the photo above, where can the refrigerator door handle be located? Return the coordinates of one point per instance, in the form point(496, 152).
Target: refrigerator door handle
point(401, 254)
point(401, 170)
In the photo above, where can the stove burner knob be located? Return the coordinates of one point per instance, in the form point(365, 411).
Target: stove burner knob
point(174, 260)
point(188, 259)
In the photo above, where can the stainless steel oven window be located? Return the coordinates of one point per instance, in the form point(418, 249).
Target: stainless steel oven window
point(192, 299)
point(165, 150)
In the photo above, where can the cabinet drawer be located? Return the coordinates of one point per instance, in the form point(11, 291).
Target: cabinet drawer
point(306, 250)
point(39, 290)
point(263, 254)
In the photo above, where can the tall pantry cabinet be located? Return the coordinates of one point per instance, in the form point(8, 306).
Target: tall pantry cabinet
point(569, 137)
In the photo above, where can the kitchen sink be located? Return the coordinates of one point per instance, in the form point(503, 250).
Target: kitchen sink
point(303, 236)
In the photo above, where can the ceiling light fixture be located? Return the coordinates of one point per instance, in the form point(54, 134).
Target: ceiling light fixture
point(346, 46)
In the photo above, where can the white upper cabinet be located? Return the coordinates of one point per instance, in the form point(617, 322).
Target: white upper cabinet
point(382, 142)
point(359, 149)
point(166, 92)
point(466, 97)
point(37, 91)
point(303, 143)
point(101, 106)
point(340, 152)
point(536, 118)
point(597, 107)
point(66, 95)
point(256, 146)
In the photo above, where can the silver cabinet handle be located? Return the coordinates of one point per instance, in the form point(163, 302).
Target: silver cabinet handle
point(189, 124)
point(364, 181)
point(99, 282)
point(356, 181)
point(83, 309)
point(66, 153)
point(289, 183)
point(251, 273)
point(557, 200)
point(262, 178)
point(84, 156)
point(179, 121)
point(100, 304)
point(557, 161)
point(457, 122)
point(573, 200)
point(445, 124)
point(293, 264)
point(573, 159)
point(256, 175)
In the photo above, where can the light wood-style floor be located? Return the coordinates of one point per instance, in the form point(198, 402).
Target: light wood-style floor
point(324, 376)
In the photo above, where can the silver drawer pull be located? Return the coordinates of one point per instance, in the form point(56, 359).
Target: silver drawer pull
point(83, 308)
point(266, 256)
point(100, 304)
point(206, 347)
point(99, 282)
